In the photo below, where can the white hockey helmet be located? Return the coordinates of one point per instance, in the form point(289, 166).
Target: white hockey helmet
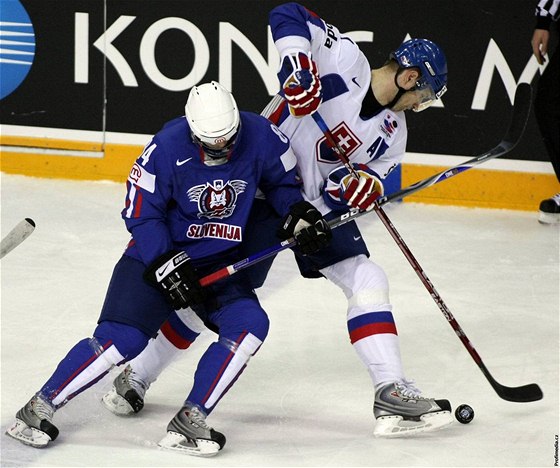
point(213, 117)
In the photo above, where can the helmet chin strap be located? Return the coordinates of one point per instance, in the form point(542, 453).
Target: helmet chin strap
point(213, 161)
point(210, 161)
point(400, 91)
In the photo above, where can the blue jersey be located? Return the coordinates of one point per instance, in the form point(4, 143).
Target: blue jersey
point(175, 201)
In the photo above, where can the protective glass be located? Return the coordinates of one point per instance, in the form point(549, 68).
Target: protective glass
point(210, 149)
point(426, 95)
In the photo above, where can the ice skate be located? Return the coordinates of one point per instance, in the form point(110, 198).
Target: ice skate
point(549, 210)
point(188, 433)
point(126, 397)
point(400, 411)
point(33, 423)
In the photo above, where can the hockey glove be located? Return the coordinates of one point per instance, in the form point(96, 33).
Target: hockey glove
point(309, 228)
point(301, 84)
point(342, 189)
point(175, 277)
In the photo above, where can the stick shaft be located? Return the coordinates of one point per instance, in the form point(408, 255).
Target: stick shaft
point(16, 236)
point(511, 138)
point(529, 392)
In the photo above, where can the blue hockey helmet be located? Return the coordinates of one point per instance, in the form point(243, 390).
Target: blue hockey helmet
point(430, 60)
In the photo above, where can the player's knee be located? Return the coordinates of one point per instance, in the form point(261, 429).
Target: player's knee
point(364, 283)
point(129, 341)
point(372, 300)
point(357, 274)
point(256, 322)
point(248, 317)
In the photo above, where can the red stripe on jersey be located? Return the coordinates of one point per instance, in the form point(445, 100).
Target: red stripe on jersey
point(311, 12)
point(127, 201)
point(177, 340)
point(372, 329)
point(138, 204)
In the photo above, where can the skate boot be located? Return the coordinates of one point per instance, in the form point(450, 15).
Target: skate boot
point(33, 423)
point(188, 433)
point(400, 411)
point(549, 210)
point(127, 395)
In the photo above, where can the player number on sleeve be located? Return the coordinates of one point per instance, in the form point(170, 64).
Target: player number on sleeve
point(275, 129)
point(145, 156)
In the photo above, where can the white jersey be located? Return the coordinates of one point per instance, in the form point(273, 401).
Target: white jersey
point(378, 141)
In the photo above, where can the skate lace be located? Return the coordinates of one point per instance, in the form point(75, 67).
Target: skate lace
point(132, 379)
point(198, 417)
point(42, 409)
point(556, 198)
point(408, 389)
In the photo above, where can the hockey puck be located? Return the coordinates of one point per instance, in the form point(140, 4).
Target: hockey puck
point(464, 414)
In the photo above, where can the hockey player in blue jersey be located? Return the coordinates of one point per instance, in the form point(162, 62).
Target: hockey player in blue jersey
point(323, 70)
point(189, 197)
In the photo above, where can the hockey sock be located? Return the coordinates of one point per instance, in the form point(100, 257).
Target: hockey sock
point(374, 337)
point(90, 359)
point(243, 326)
point(219, 368)
point(370, 320)
point(175, 335)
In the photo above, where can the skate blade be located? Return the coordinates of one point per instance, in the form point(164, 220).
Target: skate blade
point(397, 426)
point(179, 443)
point(116, 404)
point(549, 218)
point(28, 435)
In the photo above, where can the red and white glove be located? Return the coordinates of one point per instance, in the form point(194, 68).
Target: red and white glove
point(301, 84)
point(342, 189)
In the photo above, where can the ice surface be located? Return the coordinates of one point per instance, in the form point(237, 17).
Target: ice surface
point(305, 399)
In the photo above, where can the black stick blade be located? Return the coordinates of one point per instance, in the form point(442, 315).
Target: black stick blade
point(524, 394)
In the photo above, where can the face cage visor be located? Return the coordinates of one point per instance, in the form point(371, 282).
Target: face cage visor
point(218, 154)
point(426, 95)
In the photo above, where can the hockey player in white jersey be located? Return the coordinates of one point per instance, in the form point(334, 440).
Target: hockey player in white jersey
point(324, 71)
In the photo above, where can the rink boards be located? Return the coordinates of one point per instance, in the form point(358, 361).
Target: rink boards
point(506, 183)
point(85, 84)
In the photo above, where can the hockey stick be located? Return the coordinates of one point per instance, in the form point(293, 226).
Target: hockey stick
point(522, 394)
point(16, 236)
point(511, 138)
point(525, 393)
point(516, 128)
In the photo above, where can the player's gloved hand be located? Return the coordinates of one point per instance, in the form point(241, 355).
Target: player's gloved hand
point(309, 228)
point(176, 278)
point(300, 83)
point(342, 189)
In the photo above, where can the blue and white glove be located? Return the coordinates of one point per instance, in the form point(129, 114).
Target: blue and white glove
point(342, 189)
point(301, 84)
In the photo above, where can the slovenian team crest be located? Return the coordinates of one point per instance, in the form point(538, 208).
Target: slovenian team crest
point(216, 199)
point(344, 137)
